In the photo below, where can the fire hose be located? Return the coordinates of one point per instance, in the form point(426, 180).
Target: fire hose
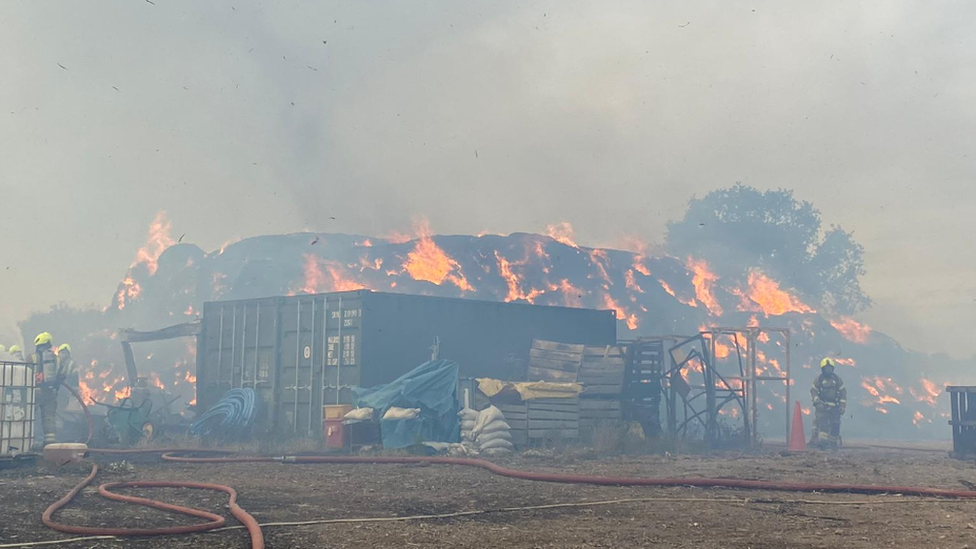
point(257, 537)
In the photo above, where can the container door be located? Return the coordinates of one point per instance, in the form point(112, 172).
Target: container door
point(303, 358)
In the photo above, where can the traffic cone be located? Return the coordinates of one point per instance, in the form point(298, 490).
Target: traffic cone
point(798, 440)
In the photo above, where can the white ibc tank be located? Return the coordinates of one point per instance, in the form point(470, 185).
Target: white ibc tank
point(16, 409)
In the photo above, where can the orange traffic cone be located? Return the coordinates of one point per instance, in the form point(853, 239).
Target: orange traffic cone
point(798, 440)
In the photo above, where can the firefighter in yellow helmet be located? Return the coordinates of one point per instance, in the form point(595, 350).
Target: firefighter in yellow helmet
point(16, 352)
point(47, 381)
point(68, 371)
point(829, 402)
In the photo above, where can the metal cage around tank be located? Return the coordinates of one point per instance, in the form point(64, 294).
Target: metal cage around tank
point(16, 409)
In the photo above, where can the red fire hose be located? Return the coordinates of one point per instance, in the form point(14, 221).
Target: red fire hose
point(257, 538)
point(596, 480)
point(214, 520)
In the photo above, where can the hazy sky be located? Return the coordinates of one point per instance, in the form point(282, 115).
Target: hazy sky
point(241, 119)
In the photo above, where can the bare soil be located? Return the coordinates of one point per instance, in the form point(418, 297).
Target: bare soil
point(670, 517)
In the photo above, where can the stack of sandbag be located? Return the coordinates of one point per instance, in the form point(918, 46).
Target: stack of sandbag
point(469, 418)
point(491, 434)
point(401, 413)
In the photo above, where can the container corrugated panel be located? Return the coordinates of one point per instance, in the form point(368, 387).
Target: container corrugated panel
point(303, 352)
point(16, 408)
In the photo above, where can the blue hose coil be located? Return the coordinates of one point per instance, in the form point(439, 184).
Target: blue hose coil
point(237, 407)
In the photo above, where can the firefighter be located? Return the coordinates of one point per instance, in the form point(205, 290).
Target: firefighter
point(68, 371)
point(16, 352)
point(47, 380)
point(830, 402)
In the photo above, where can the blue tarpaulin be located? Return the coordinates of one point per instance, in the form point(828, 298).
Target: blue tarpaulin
point(432, 387)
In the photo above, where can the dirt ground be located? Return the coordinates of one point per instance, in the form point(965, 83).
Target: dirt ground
point(666, 517)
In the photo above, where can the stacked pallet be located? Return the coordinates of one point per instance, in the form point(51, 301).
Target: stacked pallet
point(594, 411)
point(543, 419)
point(551, 361)
point(601, 371)
point(516, 415)
point(553, 418)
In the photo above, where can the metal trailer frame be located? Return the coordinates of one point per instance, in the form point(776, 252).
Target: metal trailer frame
point(718, 389)
point(648, 360)
point(16, 392)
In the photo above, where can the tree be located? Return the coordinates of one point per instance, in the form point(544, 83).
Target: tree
point(741, 228)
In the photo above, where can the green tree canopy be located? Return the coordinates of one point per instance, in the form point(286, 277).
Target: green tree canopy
point(740, 228)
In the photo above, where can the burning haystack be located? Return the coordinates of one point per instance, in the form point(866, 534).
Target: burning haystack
point(891, 390)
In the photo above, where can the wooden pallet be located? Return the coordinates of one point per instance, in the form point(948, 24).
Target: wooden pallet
point(553, 418)
point(602, 371)
point(593, 412)
point(551, 361)
point(599, 369)
point(543, 419)
point(516, 415)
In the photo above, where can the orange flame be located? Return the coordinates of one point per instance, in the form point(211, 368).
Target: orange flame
point(609, 303)
point(667, 288)
point(631, 283)
point(722, 350)
point(314, 277)
point(563, 233)
point(704, 282)
point(639, 265)
point(154, 378)
point(514, 284)
point(126, 392)
point(851, 329)
point(130, 290)
point(882, 389)
point(190, 377)
point(917, 417)
point(365, 263)
point(334, 279)
point(572, 296)
point(765, 296)
point(87, 393)
point(159, 239)
point(228, 242)
point(928, 393)
point(427, 261)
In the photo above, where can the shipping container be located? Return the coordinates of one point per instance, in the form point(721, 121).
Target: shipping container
point(305, 351)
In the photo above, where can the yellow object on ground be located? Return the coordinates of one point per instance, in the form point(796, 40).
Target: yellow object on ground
point(530, 390)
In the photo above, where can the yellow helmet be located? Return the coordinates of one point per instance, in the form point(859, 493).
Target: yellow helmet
point(43, 338)
point(64, 347)
point(827, 362)
point(14, 349)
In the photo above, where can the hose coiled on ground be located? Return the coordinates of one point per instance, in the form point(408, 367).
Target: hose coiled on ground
point(237, 407)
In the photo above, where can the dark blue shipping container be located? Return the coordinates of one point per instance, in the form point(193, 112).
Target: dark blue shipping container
point(305, 351)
